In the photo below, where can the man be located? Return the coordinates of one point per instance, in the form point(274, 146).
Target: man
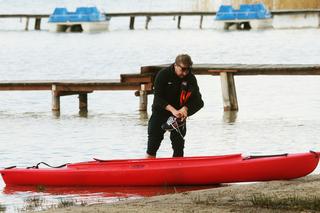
point(176, 93)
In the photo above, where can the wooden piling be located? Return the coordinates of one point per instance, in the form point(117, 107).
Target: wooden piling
point(230, 116)
point(27, 24)
point(55, 98)
point(148, 19)
point(37, 24)
point(229, 95)
point(201, 20)
point(227, 25)
point(83, 103)
point(131, 25)
point(143, 98)
point(179, 22)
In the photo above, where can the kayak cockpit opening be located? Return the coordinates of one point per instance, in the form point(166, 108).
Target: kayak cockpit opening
point(264, 156)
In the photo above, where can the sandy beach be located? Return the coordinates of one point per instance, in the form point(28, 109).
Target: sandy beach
point(228, 198)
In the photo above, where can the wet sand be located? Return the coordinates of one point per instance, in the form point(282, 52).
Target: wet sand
point(229, 198)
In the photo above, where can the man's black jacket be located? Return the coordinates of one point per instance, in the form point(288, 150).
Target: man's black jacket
point(167, 90)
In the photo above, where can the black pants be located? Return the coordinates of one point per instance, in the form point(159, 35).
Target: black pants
point(155, 136)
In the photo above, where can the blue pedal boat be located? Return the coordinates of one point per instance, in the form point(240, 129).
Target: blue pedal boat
point(252, 15)
point(84, 19)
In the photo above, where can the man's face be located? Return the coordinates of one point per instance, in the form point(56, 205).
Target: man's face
point(181, 70)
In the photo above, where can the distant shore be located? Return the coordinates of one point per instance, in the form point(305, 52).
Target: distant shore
point(301, 194)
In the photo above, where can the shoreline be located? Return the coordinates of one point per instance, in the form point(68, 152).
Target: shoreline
point(230, 198)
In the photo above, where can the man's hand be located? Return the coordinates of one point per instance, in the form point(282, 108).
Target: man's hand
point(184, 112)
point(177, 114)
point(174, 112)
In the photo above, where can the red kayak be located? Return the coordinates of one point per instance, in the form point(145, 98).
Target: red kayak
point(168, 171)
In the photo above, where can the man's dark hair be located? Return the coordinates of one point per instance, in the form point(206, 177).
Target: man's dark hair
point(184, 59)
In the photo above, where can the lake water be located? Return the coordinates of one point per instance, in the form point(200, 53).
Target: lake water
point(277, 114)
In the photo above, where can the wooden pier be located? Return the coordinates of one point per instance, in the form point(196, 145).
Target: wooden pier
point(148, 16)
point(228, 71)
point(77, 87)
point(130, 15)
point(142, 83)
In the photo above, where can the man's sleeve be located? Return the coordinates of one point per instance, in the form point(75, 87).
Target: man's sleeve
point(159, 90)
point(195, 103)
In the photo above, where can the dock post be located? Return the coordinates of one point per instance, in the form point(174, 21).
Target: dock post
point(37, 24)
point(131, 26)
point(201, 20)
point(179, 22)
point(227, 25)
point(83, 103)
point(229, 95)
point(148, 19)
point(230, 116)
point(55, 98)
point(27, 24)
point(143, 98)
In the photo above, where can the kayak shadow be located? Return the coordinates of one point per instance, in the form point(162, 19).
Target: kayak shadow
point(107, 192)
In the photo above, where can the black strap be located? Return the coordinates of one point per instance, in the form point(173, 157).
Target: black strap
point(10, 167)
point(315, 153)
point(264, 156)
point(55, 167)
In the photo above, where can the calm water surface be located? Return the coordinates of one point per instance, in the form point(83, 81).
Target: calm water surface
point(277, 113)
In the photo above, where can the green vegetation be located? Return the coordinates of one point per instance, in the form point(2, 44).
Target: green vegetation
point(63, 203)
point(38, 203)
point(83, 203)
point(293, 202)
point(208, 201)
point(273, 202)
point(33, 203)
point(2, 208)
